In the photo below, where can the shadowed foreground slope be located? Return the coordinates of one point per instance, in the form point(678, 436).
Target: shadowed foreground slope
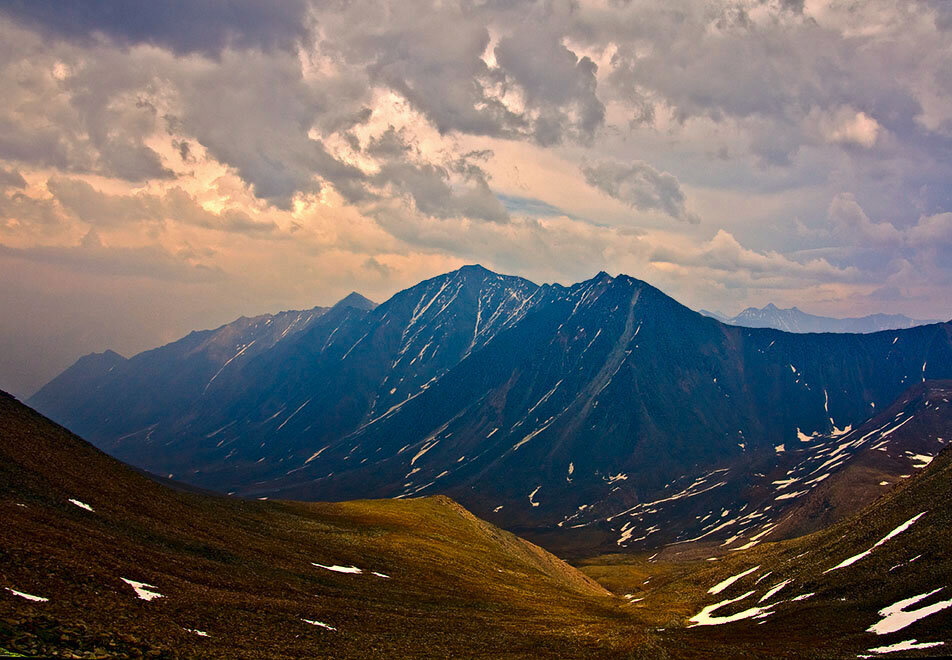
point(80, 527)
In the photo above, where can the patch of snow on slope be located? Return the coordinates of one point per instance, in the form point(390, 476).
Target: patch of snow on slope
point(315, 454)
point(532, 435)
point(292, 415)
point(721, 586)
point(319, 624)
point(773, 590)
point(339, 569)
point(908, 645)
point(143, 590)
point(243, 349)
point(532, 495)
point(423, 450)
point(790, 496)
point(704, 618)
point(81, 505)
point(803, 437)
point(22, 594)
point(896, 617)
point(855, 558)
point(924, 460)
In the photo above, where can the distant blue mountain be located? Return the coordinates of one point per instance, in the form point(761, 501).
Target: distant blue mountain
point(794, 320)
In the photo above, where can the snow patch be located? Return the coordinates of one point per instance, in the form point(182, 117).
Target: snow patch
point(81, 505)
point(339, 569)
point(923, 460)
point(773, 590)
point(315, 454)
point(896, 616)
point(532, 495)
point(143, 590)
point(721, 586)
point(855, 558)
point(23, 594)
point(908, 645)
point(704, 618)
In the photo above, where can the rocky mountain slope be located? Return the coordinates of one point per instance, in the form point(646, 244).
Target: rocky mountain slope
point(806, 486)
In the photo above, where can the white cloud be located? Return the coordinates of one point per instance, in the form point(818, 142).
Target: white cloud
point(850, 127)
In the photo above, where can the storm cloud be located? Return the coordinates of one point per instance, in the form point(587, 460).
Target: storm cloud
point(640, 186)
point(240, 156)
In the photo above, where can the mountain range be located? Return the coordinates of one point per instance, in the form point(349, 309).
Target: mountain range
point(795, 320)
point(560, 412)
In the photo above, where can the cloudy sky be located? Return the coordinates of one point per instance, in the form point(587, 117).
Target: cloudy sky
point(166, 166)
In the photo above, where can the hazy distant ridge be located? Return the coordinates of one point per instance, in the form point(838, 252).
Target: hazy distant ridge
point(795, 320)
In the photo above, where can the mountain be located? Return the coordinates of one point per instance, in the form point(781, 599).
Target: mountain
point(723, 318)
point(794, 320)
point(174, 411)
point(548, 410)
point(167, 380)
point(357, 301)
point(100, 561)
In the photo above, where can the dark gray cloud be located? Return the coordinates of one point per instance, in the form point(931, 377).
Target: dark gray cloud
point(75, 111)
point(256, 111)
point(433, 55)
point(817, 137)
point(641, 187)
point(10, 178)
point(458, 188)
point(554, 80)
point(183, 26)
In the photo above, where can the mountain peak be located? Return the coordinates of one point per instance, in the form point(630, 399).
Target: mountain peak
point(357, 301)
point(476, 268)
point(770, 306)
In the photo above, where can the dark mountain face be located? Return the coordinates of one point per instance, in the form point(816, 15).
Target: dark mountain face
point(210, 407)
point(795, 320)
point(535, 406)
point(126, 400)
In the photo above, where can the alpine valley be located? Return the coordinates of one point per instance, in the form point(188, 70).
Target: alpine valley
point(696, 474)
point(554, 411)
